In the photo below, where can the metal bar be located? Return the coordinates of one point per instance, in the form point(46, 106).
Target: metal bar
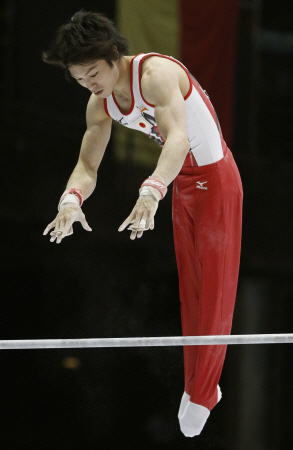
point(146, 341)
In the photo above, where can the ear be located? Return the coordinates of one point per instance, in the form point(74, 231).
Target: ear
point(116, 51)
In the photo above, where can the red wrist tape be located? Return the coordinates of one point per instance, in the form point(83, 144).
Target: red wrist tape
point(77, 192)
point(161, 187)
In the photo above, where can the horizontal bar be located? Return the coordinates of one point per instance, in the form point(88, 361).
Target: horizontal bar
point(146, 341)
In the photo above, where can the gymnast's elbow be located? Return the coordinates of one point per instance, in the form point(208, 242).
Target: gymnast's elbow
point(179, 140)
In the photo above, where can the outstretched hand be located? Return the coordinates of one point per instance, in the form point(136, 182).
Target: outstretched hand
point(142, 217)
point(62, 224)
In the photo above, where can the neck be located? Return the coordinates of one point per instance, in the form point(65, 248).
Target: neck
point(122, 88)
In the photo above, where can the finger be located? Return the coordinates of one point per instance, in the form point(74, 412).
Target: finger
point(131, 227)
point(67, 231)
point(85, 225)
point(54, 234)
point(60, 237)
point(130, 219)
point(58, 230)
point(51, 225)
point(138, 218)
point(70, 231)
point(64, 225)
point(137, 231)
point(152, 223)
point(143, 225)
point(141, 222)
point(53, 237)
point(133, 235)
point(145, 221)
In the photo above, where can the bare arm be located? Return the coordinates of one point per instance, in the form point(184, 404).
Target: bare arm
point(161, 87)
point(84, 175)
point(92, 150)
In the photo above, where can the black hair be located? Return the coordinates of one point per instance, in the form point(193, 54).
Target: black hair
point(88, 36)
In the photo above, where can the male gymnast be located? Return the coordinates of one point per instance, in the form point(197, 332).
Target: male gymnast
point(156, 94)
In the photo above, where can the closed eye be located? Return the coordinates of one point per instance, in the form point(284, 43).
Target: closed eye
point(92, 76)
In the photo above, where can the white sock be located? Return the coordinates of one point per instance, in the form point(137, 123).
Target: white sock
point(183, 404)
point(192, 417)
point(219, 393)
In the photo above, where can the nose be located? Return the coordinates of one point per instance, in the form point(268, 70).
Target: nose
point(92, 87)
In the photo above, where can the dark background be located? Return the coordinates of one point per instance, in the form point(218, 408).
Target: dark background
point(101, 284)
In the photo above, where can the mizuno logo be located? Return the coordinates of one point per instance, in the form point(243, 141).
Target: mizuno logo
point(200, 185)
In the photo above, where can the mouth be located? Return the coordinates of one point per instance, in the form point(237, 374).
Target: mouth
point(98, 92)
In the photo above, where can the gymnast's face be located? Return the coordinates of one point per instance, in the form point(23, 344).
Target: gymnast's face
point(96, 76)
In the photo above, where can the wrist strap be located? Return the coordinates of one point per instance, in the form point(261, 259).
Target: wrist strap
point(71, 196)
point(145, 191)
point(161, 187)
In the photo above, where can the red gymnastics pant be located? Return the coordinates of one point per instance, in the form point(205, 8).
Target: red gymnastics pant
point(207, 217)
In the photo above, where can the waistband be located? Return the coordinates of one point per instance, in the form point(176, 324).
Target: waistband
point(190, 163)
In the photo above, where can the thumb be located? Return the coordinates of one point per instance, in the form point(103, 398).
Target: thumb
point(85, 225)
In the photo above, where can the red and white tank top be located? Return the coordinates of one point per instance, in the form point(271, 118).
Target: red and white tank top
point(206, 141)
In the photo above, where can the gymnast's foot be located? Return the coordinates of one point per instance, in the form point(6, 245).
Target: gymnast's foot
point(192, 417)
point(183, 404)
